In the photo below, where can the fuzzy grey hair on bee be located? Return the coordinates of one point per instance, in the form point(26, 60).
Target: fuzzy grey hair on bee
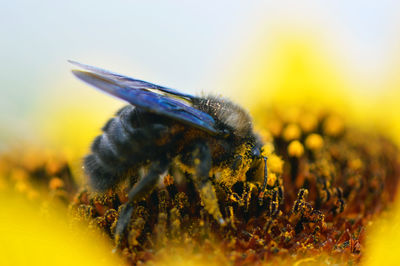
point(228, 113)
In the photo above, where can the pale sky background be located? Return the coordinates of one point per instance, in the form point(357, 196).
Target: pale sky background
point(182, 44)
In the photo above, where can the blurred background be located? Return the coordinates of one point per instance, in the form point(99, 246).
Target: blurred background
point(339, 53)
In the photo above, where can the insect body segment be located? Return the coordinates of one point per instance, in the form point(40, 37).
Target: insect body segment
point(163, 129)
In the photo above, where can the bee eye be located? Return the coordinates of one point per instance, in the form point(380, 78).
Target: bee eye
point(226, 133)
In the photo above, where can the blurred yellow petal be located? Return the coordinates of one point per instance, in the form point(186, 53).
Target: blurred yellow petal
point(29, 238)
point(383, 240)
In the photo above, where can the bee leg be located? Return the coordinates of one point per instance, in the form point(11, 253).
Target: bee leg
point(261, 195)
point(140, 190)
point(202, 163)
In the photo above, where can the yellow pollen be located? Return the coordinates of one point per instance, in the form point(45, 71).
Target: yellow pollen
point(314, 142)
point(267, 149)
point(271, 179)
point(295, 149)
point(275, 164)
point(56, 183)
point(291, 132)
point(355, 164)
point(333, 125)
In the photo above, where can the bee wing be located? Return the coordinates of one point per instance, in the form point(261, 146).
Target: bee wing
point(128, 81)
point(140, 96)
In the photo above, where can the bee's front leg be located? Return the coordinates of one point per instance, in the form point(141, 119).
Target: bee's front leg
point(265, 173)
point(261, 194)
point(140, 190)
point(202, 162)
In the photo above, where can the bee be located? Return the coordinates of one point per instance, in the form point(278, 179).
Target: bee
point(163, 128)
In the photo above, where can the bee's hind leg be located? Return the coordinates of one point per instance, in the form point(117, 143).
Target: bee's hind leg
point(140, 190)
point(202, 162)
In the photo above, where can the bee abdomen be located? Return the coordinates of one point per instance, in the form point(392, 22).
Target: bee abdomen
point(100, 177)
point(105, 164)
point(126, 142)
point(113, 153)
point(121, 142)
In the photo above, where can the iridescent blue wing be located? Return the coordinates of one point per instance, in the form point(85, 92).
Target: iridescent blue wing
point(145, 96)
point(127, 81)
